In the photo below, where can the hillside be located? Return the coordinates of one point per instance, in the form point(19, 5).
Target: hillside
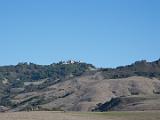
point(131, 103)
point(77, 86)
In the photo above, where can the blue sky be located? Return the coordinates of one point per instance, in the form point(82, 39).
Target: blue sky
point(106, 33)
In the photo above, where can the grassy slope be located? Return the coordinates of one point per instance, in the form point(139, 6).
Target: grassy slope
point(147, 115)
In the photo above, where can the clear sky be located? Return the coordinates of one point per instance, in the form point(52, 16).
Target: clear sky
point(106, 33)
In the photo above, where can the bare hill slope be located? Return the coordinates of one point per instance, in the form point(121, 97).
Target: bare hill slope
point(85, 93)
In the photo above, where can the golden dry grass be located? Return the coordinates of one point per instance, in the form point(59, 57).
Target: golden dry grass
point(149, 115)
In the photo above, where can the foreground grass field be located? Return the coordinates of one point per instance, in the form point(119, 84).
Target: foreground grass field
point(146, 115)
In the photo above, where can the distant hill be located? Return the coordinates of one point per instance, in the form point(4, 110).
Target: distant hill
point(139, 68)
point(75, 86)
point(33, 72)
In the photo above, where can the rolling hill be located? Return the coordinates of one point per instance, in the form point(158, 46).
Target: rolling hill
point(77, 86)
